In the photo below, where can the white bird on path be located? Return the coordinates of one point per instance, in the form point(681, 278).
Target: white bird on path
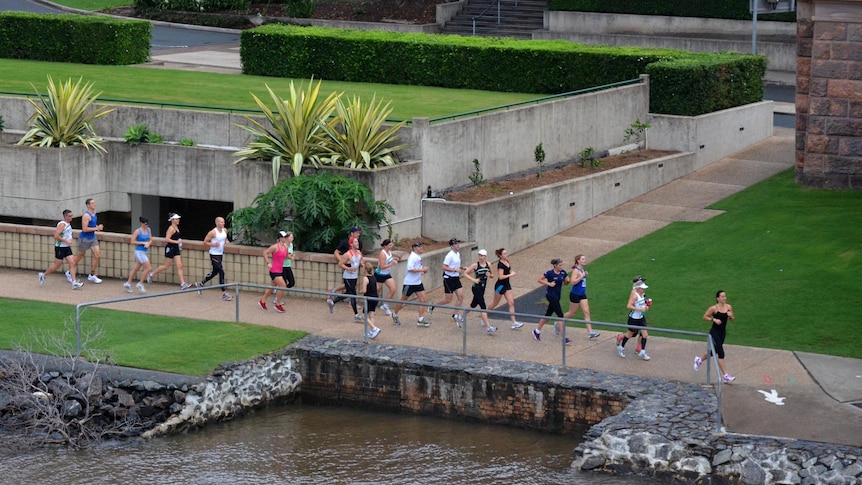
point(772, 397)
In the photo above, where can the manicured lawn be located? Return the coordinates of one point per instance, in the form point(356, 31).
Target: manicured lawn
point(183, 346)
point(93, 5)
point(789, 259)
point(232, 90)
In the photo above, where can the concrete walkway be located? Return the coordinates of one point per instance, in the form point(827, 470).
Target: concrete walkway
point(818, 391)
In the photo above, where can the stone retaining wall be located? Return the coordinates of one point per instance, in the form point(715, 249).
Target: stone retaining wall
point(640, 426)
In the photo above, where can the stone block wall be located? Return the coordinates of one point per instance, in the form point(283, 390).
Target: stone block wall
point(829, 94)
point(648, 427)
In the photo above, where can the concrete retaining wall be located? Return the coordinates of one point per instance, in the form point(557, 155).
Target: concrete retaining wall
point(712, 136)
point(537, 214)
point(504, 141)
point(775, 40)
point(31, 248)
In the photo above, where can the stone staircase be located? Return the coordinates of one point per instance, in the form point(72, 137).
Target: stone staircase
point(518, 21)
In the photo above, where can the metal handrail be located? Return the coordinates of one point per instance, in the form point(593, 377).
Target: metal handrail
point(712, 357)
point(482, 13)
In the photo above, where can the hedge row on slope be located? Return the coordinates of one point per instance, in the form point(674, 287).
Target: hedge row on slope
point(724, 9)
point(82, 39)
point(494, 64)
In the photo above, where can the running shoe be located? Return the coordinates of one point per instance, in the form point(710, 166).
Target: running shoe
point(226, 297)
point(423, 323)
point(69, 276)
point(643, 355)
point(386, 309)
point(459, 320)
point(41, 279)
point(491, 330)
point(76, 284)
point(697, 363)
point(517, 325)
point(593, 335)
point(621, 351)
point(261, 304)
point(395, 320)
point(185, 286)
point(128, 287)
point(149, 278)
point(358, 317)
point(94, 279)
point(430, 311)
point(374, 332)
point(537, 335)
point(198, 285)
point(728, 379)
point(279, 308)
point(568, 341)
point(141, 287)
point(329, 300)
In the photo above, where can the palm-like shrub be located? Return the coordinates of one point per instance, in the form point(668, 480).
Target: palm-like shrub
point(65, 117)
point(360, 140)
point(296, 130)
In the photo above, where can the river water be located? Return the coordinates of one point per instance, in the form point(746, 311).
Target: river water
point(319, 445)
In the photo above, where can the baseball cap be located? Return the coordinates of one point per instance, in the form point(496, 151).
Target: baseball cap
point(143, 220)
point(282, 234)
point(355, 229)
point(417, 244)
point(454, 241)
point(641, 285)
point(482, 252)
point(174, 216)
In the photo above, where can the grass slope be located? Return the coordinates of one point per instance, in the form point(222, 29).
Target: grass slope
point(179, 345)
point(788, 258)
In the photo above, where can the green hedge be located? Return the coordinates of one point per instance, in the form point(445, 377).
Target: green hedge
point(83, 39)
point(705, 83)
point(723, 9)
point(492, 64)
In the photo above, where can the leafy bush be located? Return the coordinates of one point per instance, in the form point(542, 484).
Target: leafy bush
point(193, 5)
point(476, 175)
point(2, 123)
point(65, 117)
point(539, 155)
point(300, 8)
point(140, 133)
point(187, 142)
point(136, 134)
point(318, 208)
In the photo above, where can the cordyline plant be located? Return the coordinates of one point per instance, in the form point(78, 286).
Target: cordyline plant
point(296, 129)
point(359, 140)
point(65, 117)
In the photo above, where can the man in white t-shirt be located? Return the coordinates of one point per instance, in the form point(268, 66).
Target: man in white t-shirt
point(413, 285)
point(216, 240)
point(452, 280)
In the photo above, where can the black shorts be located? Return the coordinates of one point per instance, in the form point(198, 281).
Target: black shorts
point(273, 276)
point(408, 290)
point(381, 277)
point(502, 287)
point(451, 284)
point(172, 251)
point(637, 321)
point(576, 298)
point(62, 252)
